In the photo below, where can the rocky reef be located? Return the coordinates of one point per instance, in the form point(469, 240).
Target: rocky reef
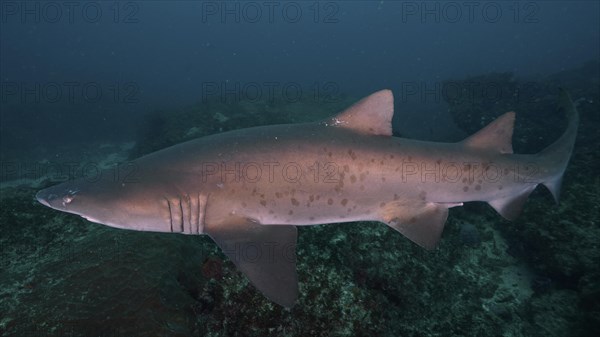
point(475, 101)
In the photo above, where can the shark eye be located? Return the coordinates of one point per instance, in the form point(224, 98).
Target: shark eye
point(69, 197)
point(67, 200)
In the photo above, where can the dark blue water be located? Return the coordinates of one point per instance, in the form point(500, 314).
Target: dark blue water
point(80, 71)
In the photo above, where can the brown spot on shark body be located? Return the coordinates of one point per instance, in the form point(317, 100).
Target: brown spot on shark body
point(344, 202)
point(294, 202)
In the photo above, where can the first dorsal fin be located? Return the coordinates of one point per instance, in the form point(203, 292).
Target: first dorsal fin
point(371, 115)
point(495, 136)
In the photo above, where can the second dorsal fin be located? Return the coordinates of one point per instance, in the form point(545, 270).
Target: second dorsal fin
point(496, 136)
point(371, 115)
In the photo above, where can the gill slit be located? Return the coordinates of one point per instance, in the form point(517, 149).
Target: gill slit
point(181, 216)
point(193, 211)
point(189, 211)
point(170, 213)
point(198, 220)
point(202, 208)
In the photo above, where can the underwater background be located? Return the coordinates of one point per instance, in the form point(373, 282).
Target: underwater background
point(94, 84)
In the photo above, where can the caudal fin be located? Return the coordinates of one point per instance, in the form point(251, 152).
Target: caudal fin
point(554, 159)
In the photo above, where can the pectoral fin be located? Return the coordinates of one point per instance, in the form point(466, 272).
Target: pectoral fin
point(265, 254)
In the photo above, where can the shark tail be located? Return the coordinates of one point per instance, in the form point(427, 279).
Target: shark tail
point(547, 167)
point(553, 160)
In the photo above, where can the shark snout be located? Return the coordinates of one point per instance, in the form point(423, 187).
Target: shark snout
point(42, 197)
point(57, 197)
point(49, 197)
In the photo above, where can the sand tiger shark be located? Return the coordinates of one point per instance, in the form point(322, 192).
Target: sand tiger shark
point(248, 189)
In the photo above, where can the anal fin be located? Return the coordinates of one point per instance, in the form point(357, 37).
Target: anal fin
point(510, 207)
point(265, 254)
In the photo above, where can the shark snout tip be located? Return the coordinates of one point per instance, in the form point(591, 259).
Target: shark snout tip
point(40, 197)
